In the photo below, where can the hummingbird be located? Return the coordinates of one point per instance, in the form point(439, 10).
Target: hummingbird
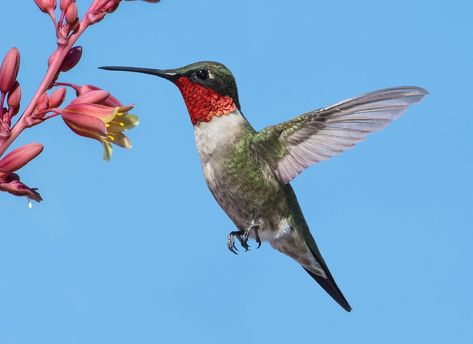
point(249, 172)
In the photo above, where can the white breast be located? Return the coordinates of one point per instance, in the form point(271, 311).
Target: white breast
point(214, 136)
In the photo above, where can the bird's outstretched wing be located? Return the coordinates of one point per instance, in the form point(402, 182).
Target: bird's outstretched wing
point(291, 146)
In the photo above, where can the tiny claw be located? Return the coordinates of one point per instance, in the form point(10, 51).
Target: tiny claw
point(231, 242)
point(258, 240)
point(244, 242)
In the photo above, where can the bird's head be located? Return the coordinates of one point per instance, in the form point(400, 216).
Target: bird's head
point(209, 88)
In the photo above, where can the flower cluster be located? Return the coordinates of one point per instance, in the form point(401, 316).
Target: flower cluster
point(92, 113)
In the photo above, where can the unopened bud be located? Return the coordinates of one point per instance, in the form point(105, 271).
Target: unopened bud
point(14, 98)
point(57, 97)
point(111, 6)
point(9, 69)
point(71, 59)
point(71, 14)
point(42, 101)
point(19, 157)
point(96, 17)
point(64, 4)
point(46, 5)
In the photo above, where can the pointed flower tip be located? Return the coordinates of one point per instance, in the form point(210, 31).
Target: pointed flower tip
point(14, 186)
point(9, 69)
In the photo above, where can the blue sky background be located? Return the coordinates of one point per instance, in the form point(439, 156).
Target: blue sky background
point(134, 250)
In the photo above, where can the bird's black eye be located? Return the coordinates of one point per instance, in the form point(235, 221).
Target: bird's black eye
point(202, 74)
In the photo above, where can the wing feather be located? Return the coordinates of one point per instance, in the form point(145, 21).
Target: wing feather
point(318, 135)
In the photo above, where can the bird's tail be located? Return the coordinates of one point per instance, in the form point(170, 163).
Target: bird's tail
point(331, 288)
point(300, 245)
point(322, 275)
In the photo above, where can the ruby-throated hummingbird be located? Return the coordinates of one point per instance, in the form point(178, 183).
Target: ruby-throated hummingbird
point(248, 171)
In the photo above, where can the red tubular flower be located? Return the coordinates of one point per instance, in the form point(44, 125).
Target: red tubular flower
point(9, 181)
point(98, 115)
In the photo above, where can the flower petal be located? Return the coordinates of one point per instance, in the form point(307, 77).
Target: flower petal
point(124, 122)
point(104, 113)
point(120, 140)
point(84, 125)
point(107, 150)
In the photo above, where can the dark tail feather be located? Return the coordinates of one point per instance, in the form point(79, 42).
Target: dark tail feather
point(331, 288)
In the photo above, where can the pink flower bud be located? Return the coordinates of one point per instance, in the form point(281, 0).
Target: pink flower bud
point(110, 101)
point(71, 14)
point(19, 157)
point(9, 69)
point(92, 97)
point(57, 97)
point(14, 97)
point(71, 59)
point(111, 6)
point(43, 101)
point(46, 5)
point(96, 17)
point(64, 4)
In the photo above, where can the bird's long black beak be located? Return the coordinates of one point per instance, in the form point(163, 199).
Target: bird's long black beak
point(169, 74)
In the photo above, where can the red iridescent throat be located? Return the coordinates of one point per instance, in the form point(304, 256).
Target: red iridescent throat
point(204, 103)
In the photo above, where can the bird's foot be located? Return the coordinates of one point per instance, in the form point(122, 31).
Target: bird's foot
point(243, 236)
point(231, 241)
point(257, 238)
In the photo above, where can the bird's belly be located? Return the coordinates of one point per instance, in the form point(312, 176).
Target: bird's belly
point(226, 195)
point(242, 200)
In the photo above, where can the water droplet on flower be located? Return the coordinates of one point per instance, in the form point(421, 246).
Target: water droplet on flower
point(30, 204)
